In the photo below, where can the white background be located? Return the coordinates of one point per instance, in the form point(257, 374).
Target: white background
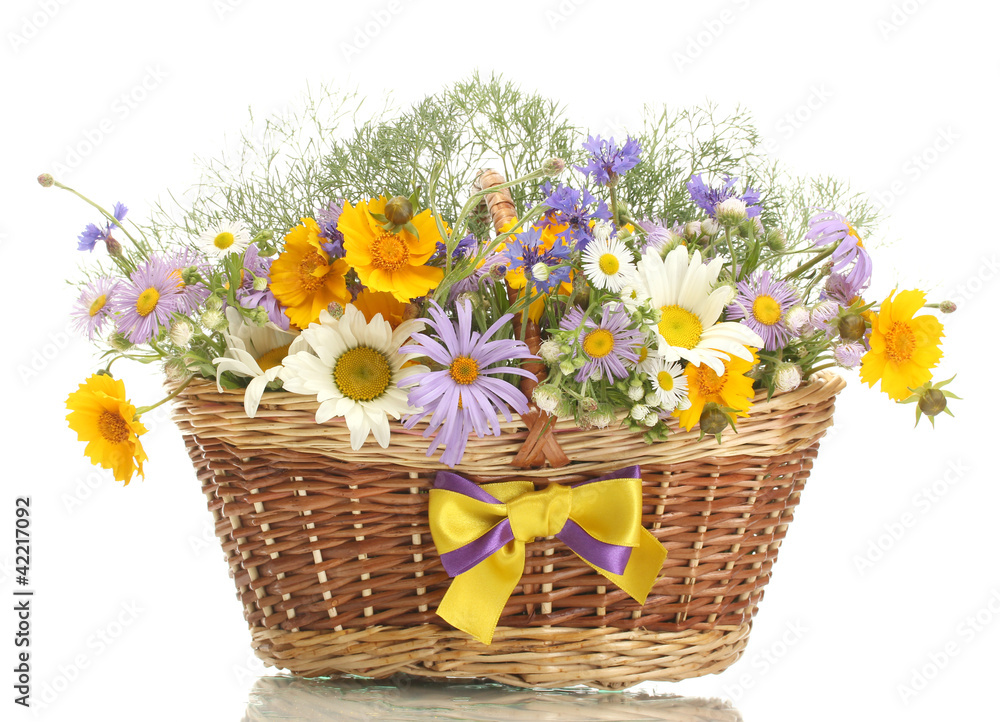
point(898, 97)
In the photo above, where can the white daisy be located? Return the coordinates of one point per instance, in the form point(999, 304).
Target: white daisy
point(357, 373)
point(255, 352)
point(669, 384)
point(689, 328)
point(607, 263)
point(224, 238)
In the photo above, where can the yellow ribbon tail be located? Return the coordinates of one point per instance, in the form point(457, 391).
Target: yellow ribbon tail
point(643, 567)
point(476, 598)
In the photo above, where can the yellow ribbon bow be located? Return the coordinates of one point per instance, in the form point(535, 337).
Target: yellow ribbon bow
point(480, 533)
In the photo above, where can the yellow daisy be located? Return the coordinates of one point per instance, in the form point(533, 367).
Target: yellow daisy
point(304, 279)
point(391, 262)
point(903, 348)
point(733, 389)
point(101, 416)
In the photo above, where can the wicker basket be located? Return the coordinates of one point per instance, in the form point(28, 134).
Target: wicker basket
point(333, 560)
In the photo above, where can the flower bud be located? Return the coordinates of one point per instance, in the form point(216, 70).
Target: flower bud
point(471, 297)
point(731, 211)
point(113, 246)
point(636, 393)
point(566, 367)
point(639, 412)
point(602, 418)
point(119, 341)
point(787, 377)
point(932, 402)
point(693, 230)
point(947, 307)
point(498, 271)
point(181, 332)
point(540, 272)
point(553, 166)
point(549, 351)
point(190, 275)
point(852, 327)
point(588, 404)
point(776, 239)
point(709, 227)
point(175, 369)
point(713, 419)
point(410, 312)
point(214, 320)
point(45, 180)
point(546, 397)
point(399, 210)
point(651, 399)
point(258, 316)
point(848, 355)
point(335, 310)
point(652, 418)
point(796, 319)
point(579, 362)
point(260, 283)
point(213, 303)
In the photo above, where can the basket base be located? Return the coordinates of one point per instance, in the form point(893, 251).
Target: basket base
point(604, 658)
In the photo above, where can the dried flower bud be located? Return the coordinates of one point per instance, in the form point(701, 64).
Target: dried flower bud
point(45, 180)
point(411, 311)
point(498, 271)
point(181, 332)
point(588, 404)
point(335, 310)
point(553, 166)
point(399, 210)
point(713, 419)
point(947, 307)
point(852, 327)
point(113, 246)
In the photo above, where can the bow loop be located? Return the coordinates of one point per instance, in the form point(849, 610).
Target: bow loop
point(480, 533)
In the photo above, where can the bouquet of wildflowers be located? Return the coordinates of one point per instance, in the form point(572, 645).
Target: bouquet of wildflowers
point(392, 308)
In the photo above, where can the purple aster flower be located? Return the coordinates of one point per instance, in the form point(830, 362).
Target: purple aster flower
point(471, 282)
point(608, 344)
point(660, 235)
point(572, 208)
point(146, 301)
point(842, 289)
point(607, 160)
point(526, 251)
point(707, 198)
point(828, 227)
point(94, 306)
point(464, 396)
point(92, 234)
point(194, 294)
point(849, 355)
point(328, 218)
point(257, 266)
point(761, 304)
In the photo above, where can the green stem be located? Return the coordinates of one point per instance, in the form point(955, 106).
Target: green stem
point(732, 253)
point(826, 253)
point(173, 394)
point(107, 215)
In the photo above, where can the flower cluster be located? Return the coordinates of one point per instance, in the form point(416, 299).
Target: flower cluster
point(385, 313)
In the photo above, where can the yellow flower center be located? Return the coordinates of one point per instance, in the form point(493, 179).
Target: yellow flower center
point(224, 240)
point(852, 232)
point(176, 275)
point(598, 343)
point(97, 304)
point(709, 382)
point(113, 427)
point(665, 380)
point(608, 263)
point(643, 354)
point(146, 303)
point(362, 373)
point(766, 310)
point(464, 370)
point(900, 342)
point(273, 358)
point(309, 280)
point(679, 327)
point(388, 252)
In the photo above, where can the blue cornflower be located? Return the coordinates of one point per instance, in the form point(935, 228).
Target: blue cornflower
point(526, 251)
point(465, 247)
point(92, 234)
point(573, 208)
point(607, 160)
point(707, 198)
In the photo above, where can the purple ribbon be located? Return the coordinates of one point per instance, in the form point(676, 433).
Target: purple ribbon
point(610, 557)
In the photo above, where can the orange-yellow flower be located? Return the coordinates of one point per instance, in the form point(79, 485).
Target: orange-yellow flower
point(391, 262)
point(101, 416)
point(903, 348)
point(304, 279)
point(374, 302)
point(734, 389)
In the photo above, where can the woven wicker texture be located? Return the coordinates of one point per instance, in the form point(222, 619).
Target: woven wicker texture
point(334, 564)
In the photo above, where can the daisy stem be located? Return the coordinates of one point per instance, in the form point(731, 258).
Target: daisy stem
point(822, 368)
point(173, 394)
point(614, 204)
point(107, 215)
point(732, 253)
point(825, 253)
